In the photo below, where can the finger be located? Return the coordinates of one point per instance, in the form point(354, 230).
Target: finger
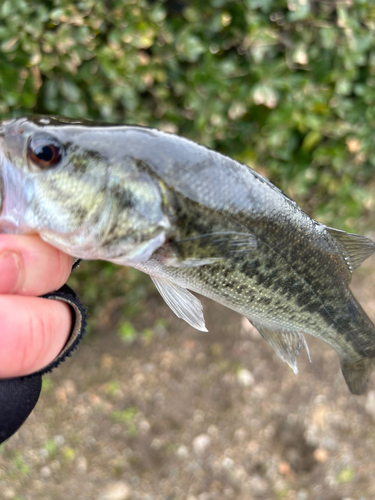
point(33, 331)
point(29, 266)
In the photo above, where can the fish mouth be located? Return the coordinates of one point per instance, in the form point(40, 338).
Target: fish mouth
point(2, 132)
point(12, 203)
point(4, 126)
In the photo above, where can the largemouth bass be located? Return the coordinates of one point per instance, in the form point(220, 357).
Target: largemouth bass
point(192, 219)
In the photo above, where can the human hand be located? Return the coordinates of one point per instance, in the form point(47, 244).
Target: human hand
point(33, 330)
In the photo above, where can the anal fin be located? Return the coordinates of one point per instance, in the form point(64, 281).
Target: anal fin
point(183, 303)
point(286, 343)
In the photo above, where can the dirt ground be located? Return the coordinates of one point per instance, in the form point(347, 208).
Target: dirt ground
point(177, 414)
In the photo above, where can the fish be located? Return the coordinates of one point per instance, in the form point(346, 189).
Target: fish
point(195, 221)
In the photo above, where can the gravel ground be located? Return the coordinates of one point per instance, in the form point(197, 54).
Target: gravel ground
point(181, 415)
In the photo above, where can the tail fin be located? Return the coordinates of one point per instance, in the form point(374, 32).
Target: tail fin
point(356, 374)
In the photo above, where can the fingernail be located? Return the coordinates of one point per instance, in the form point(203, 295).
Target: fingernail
point(9, 272)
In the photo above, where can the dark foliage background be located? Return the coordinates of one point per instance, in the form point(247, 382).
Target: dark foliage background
point(286, 87)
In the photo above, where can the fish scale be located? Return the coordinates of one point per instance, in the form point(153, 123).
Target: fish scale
point(253, 291)
point(192, 219)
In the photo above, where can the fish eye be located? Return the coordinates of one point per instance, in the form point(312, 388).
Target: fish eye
point(45, 151)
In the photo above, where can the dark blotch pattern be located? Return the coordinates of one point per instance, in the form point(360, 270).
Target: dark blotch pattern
point(284, 279)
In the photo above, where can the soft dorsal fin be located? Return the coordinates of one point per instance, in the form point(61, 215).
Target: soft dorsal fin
point(183, 303)
point(286, 343)
point(355, 248)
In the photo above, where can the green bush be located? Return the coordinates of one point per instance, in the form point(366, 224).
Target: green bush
point(286, 87)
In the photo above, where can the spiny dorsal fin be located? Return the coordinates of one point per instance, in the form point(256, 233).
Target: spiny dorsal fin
point(355, 248)
point(286, 343)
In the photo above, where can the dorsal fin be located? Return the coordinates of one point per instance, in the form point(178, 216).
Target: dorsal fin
point(355, 248)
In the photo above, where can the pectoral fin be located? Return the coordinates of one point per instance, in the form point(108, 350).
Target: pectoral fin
point(286, 343)
point(183, 303)
point(207, 249)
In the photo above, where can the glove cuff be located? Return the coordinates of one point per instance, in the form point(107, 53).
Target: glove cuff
point(19, 395)
point(79, 316)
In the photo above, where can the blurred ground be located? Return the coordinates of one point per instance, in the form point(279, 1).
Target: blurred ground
point(181, 415)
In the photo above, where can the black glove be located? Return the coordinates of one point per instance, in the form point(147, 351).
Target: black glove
point(18, 396)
